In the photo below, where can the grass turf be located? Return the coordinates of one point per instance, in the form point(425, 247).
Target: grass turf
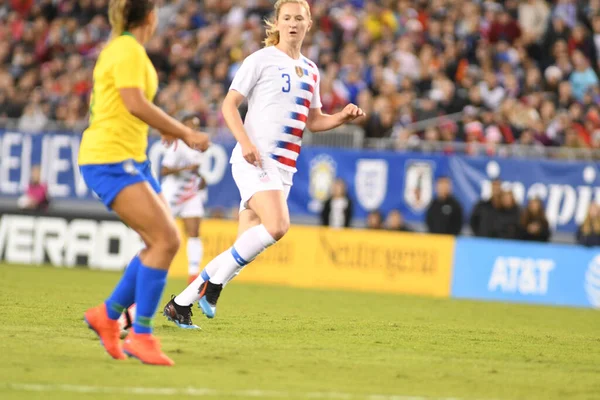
point(278, 342)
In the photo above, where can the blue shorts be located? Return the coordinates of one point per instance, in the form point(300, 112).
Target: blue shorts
point(107, 180)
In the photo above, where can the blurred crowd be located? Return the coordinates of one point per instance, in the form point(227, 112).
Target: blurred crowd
point(486, 72)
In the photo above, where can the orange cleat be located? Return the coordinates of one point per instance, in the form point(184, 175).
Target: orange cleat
point(107, 330)
point(192, 278)
point(145, 348)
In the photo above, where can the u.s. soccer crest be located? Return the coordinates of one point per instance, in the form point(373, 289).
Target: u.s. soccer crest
point(322, 174)
point(418, 185)
point(370, 182)
point(299, 72)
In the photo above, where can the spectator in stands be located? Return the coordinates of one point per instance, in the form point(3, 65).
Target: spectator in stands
point(337, 209)
point(534, 224)
point(444, 214)
point(395, 222)
point(485, 212)
point(507, 222)
point(33, 120)
point(374, 220)
point(408, 61)
point(583, 77)
point(36, 196)
point(588, 233)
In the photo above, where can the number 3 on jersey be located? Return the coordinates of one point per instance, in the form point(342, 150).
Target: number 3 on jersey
point(286, 87)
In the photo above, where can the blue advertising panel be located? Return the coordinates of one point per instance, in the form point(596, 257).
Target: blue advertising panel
point(56, 154)
point(565, 187)
point(382, 180)
point(376, 180)
point(522, 272)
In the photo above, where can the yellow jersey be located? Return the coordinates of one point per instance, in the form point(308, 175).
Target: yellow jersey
point(115, 135)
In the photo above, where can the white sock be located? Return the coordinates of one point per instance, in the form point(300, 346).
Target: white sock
point(249, 245)
point(190, 294)
point(194, 253)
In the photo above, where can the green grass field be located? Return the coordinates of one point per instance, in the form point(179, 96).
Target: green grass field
point(282, 343)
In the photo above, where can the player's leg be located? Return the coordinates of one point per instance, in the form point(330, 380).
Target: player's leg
point(247, 219)
point(250, 218)
point(147, 213)
point(180, 312)
point(191, 224)
point(144, 211)
point(191, 294)
point(271, 208)
point(141, 209)
point(250, 181)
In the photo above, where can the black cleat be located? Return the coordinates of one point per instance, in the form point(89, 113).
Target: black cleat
point(209, 295)
point(180, 315)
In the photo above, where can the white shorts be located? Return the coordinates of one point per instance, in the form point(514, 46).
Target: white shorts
point(251, 179)
point(192, 208)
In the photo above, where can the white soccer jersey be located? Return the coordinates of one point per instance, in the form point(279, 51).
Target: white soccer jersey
point(181, 187)
point(280, 92)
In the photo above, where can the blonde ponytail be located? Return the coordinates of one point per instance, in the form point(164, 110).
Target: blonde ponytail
point(116, 16)
point(272, 38)
point(272, 33)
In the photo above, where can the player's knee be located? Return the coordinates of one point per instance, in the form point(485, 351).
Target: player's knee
point(174, 242)
point(169, 241)
point(278, 229)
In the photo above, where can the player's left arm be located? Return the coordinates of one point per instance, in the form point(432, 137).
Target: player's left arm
point(202, 182)
point(317, 121)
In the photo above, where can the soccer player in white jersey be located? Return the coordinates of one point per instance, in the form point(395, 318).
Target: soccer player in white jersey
point(282, 89)
point(185, 191)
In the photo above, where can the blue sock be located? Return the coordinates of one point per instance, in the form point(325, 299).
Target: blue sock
point(149, 289)
point(124, 294)
point(204, 275)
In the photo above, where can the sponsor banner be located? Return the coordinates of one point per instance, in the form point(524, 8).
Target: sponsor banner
point(566, 188)
point(306, 257)
point(339, 259)
point(56, 154)
point(382, 180)
point(406, 181)
point(66, 242)
point(526, 272)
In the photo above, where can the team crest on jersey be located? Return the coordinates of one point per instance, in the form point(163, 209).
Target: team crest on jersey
point(371, 182)
point(418, 185)
point(129, 167)
point(299, 72)
point(321, 176)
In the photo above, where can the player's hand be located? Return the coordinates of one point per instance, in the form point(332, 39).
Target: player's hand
point(197, 140)
point(202, 184)
point(194, 168)
point(251, 154)
point(351, 112)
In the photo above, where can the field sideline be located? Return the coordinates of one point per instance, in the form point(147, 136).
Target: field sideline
point(282, 343)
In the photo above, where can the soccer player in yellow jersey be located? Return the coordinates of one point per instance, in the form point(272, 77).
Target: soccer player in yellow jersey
point(113, 163)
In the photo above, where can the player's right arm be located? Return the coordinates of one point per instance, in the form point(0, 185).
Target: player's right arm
point(231, 114)
point(244, 81)
point(140, 107)
point(164, 171)
point(130, 84)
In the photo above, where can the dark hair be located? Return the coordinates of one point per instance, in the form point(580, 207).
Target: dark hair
point(190, 118)
point(128, 14)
